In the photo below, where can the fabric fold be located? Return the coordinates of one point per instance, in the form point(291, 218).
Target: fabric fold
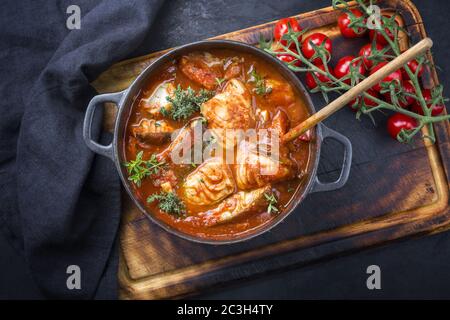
point(68, 198)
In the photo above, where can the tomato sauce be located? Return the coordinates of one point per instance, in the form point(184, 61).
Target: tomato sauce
point(267, 104)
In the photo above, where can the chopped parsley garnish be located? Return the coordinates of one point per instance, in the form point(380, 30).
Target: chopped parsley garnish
point(169, 203)
point(219, 81)
point(138, 169)
point(260, 83)
point(185, 102)
point(272, 202)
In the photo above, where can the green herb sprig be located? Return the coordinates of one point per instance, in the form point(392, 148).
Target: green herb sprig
point(260, 83)
point(272, 203)
point(138, 169)
point(219, 81)
point(185, 103)
point(168, 202)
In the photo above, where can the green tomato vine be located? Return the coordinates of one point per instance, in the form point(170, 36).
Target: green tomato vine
point(388, 26)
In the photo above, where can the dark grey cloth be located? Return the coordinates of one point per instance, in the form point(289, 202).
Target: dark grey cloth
point(60, 204)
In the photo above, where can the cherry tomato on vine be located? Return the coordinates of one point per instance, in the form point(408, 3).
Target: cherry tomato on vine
point(437, 109)
point(413, 65)
point(311, 82)
point(379, 37)
point(356, 103)
point(281, 28)
point(342, 68)
point(394, 76)
point(287, 58)
point(317, 39)
point(399, 121)
point(366, 52)
point(345, 19)
point(407, 87)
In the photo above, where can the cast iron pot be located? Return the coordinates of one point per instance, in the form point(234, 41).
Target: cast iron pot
point(124, 101)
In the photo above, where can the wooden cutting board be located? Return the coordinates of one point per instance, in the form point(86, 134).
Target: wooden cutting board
point(394, 191)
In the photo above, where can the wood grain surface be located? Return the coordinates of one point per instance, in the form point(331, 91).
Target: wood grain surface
point(394, 191)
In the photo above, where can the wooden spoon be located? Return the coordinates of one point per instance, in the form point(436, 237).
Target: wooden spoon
point(364, 85)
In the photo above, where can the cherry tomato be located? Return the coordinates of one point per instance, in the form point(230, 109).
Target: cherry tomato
point(413, 65)
point(407, 87)
point(287, 58)
point(281, 28)
point(437, 109)
point(355, 104)
point(345, 19)
point(316, 38)
point(366, 52)
point(311, 82)
point(394, 76)
point(399, 121)
point(342, 68)
point(379, 37)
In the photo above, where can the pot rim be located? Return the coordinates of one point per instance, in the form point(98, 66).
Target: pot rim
point(130, 93)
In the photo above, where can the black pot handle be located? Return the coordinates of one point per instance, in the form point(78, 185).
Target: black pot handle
point(345, 171)
point(100, 99)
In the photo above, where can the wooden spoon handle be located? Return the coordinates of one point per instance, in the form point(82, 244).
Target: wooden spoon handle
point(364, 85)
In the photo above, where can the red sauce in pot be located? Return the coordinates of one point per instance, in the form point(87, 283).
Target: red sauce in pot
point(266, 96)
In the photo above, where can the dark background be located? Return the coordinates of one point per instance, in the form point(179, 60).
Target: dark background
point(410, 269)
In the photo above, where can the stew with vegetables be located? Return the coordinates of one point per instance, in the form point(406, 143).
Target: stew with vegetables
point(185, 154)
